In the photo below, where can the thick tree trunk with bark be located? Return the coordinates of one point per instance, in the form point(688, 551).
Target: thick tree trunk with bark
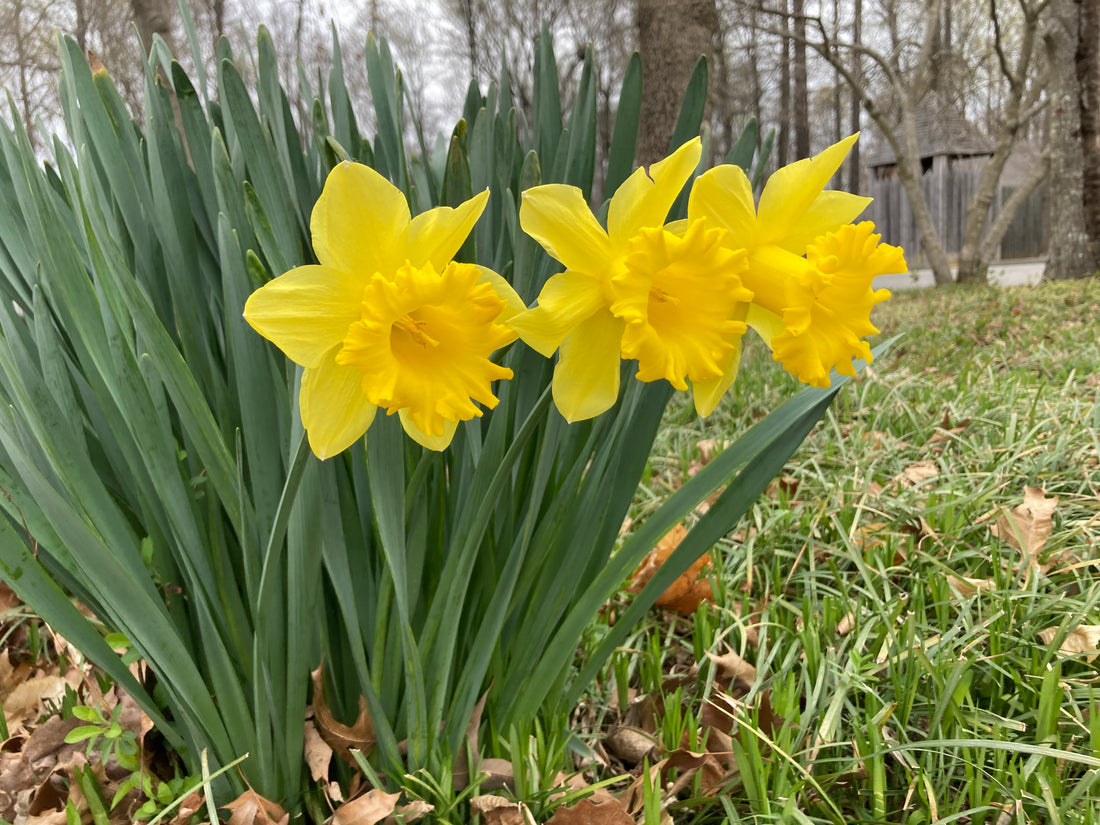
point(1088, 78)
point(854, 113)
point(672, 34)
point(783, 143)
point(800, 90)
point(1070, 254)
point(153, 17)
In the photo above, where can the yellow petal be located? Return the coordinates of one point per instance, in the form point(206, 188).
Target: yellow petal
point(513, 304)
point(306, 311)
point(335, 413)
point(586, 378)
point(558, 217)
point(708, 392)
point(436, 235)
point(644, 200)
point(767, 324)
point(791, 190)
point(432, 442)
point(829, 211)
point(566, 300)
point(723, 195)
point(358, 221)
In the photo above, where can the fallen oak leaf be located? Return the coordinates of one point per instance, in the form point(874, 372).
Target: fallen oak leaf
point(192, 804)
point(318, 752)
point(27, 701)
point(373, 806)
point(587, 812)
point(630, 744)
point(252, 809)
point(1083, 639)
point(414, 810)
point(496, 810)
point(733, 672)
point(690, 588)
point(689, 763)
point(966, 586)
point(917, 473)
point(1028, 526)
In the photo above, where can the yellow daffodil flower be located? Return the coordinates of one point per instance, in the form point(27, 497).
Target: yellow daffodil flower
point(810, 270)
point(387, 319)
point(667, 295)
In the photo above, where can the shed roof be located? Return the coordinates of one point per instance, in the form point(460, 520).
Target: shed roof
point(941, 130)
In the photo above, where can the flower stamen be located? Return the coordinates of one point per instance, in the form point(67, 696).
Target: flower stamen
point(415, 330)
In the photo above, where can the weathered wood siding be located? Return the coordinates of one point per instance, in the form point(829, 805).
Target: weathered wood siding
point(948, 184)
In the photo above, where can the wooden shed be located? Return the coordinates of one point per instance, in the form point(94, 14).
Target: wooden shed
point(953, 151)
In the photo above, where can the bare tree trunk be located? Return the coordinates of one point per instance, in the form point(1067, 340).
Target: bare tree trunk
point(853, 160)
point(800, 91)
point(153, 17)
point(1001, 223)
point(672, 34)
point(1018, 109)
point(81, 33)
point(783, 145)
point(1088, 78)
point(218, 9)
point(838, 108)
point(757, 87)
point(1070, 254)
point(469, 19)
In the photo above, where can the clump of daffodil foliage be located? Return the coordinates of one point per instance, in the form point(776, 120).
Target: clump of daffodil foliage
point(216, 503)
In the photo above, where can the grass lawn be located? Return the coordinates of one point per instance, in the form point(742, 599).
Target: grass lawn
point(905, 629)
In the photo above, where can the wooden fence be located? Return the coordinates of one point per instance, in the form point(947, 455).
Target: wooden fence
point(948, 185)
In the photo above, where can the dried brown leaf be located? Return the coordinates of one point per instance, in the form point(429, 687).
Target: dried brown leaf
point(252, 809)
point(373, 806)
point(734, 675)
point(1083, 639)
point(918, 473)
point(340, 737)
point(629, 744)
point(587, 812)
point(569, 782)
point(712, 773)
point(191, 805)
point(497, 774)
point(486, 802)
point(417, 809)
point(318, 752)
point(846, 624)
point(461, 772)
point(689, 589)
point(966, 586)
point(711, 447)
point(496, 810)
point(1028, 526)
point(718, 712)
point(633, 798)
point(8, 599)
point(27, 700)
